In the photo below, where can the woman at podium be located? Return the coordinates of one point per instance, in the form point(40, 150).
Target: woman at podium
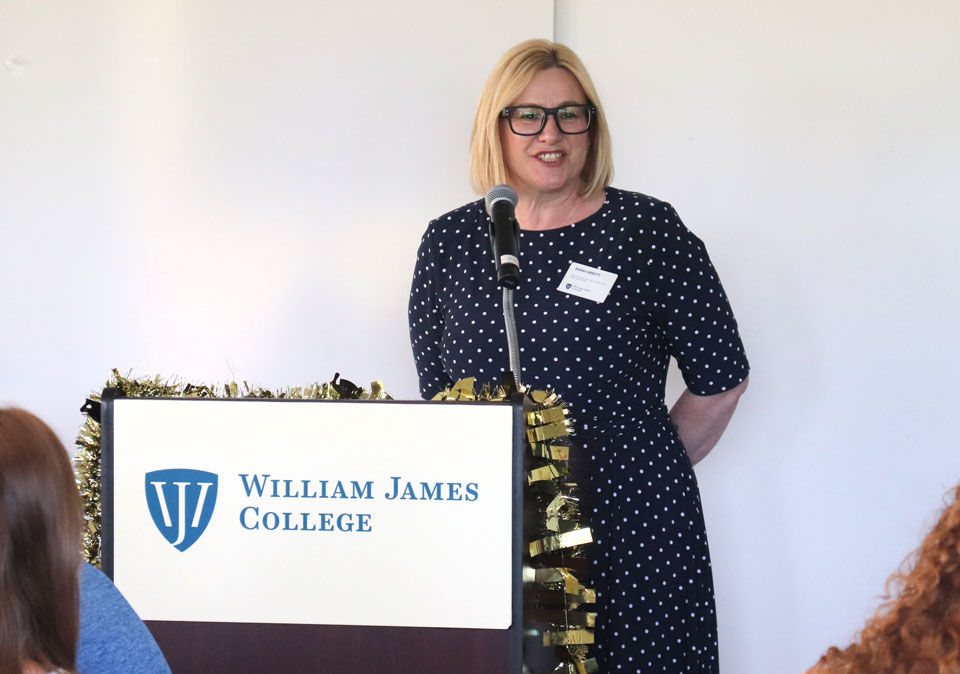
point(612, 286)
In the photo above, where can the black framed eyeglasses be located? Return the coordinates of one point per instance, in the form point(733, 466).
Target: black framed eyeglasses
point(529, 120)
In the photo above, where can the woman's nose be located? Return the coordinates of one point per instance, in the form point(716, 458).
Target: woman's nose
point(551, 130)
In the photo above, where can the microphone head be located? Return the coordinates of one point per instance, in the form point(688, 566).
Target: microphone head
point(500, 193)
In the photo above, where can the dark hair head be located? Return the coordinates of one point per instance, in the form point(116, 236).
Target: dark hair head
point(40, 521)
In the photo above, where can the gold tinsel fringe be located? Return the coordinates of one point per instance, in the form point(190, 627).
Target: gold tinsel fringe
point(557, 538)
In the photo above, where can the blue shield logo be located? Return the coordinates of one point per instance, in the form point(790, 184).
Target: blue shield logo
point(181, 503)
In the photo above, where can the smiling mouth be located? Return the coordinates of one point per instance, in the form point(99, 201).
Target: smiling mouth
point(550, 156)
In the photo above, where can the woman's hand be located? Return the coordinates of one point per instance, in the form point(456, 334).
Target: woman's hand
point(701, 420)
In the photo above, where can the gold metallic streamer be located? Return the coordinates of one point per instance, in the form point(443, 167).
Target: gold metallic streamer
point(589, 666)
point(566, 617)
point(546, 416)
point(558, 429)
point(588, 596)
point(545, 398)
point(561, 525)
point(567, 637)
point(567, 540)
point(87, 463)
point(553, 452)
point(377, 391)
point(553, 508)
point(549, 472)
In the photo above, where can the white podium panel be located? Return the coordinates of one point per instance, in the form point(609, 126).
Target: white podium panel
point(328, 513)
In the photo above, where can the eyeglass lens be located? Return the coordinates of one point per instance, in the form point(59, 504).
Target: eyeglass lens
point(530, 120)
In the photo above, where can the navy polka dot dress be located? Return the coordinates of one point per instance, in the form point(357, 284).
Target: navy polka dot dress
point(651, 563)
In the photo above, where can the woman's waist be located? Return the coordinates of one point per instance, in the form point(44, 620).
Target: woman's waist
point(647, 417)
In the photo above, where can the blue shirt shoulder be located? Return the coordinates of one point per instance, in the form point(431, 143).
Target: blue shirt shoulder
point(113, 639)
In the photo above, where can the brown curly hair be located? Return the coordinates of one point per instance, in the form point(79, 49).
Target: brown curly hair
point(917, 629)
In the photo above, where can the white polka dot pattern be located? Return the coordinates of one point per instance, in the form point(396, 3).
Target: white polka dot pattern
point(609, 361)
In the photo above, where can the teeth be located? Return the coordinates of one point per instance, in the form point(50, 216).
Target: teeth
point(549, 156)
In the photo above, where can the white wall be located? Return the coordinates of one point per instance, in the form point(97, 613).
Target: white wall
point(814, 147)
point(236, 190)
point(225, 190)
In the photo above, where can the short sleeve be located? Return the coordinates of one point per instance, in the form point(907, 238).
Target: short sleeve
point(697, 321)
point(425, 314)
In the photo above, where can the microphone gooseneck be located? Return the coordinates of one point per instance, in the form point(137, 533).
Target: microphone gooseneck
point(513, 347)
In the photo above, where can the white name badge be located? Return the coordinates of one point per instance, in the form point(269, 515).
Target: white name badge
point(587, 282)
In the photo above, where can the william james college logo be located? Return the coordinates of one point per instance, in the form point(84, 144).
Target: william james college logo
point(181, 503)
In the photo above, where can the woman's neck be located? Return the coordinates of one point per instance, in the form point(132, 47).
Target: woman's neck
point(538, 211)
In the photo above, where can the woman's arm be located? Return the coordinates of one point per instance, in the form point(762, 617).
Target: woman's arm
point(426, 322)
point(701, 420)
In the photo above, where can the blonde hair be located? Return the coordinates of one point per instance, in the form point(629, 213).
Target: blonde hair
point(509, 78)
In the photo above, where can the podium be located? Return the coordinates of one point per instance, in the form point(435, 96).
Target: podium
point(303, 535)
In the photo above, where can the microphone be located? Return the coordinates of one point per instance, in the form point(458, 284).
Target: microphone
point(501, 201)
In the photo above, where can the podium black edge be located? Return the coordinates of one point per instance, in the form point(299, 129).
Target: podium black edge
point(107, 398)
